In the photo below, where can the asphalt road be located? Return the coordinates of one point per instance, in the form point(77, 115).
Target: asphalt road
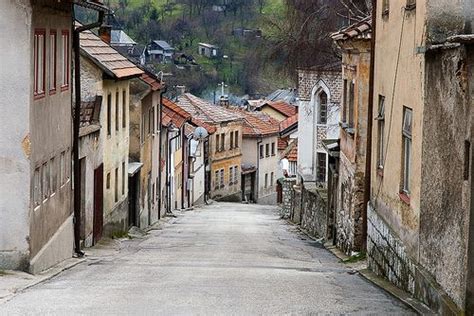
point(221, 259)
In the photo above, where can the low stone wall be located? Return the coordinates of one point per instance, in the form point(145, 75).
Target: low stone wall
point(305, 205)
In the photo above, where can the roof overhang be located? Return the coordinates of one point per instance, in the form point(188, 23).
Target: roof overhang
point(93, 5)
point(134, 167)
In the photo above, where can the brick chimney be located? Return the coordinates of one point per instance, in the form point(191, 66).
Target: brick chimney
point(105, 32)
point(224, 101)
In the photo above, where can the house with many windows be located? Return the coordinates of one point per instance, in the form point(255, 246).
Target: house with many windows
point(36, 220)
point(225, 146)
point(106, 73)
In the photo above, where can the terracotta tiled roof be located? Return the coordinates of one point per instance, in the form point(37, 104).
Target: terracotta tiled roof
point(173, 114)
point(282, 107)
point(359, 30)
point(289, 122)
point(257, 123)
point(90, 111)
point(107, 58)
point(209, 128)
point(205, 111)
point(282, 143)
point(292, 152)
point(152, 82)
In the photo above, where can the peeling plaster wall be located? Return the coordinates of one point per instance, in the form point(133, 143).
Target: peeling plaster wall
point(16, 90)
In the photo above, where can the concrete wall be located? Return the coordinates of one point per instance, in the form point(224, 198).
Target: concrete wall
point(310, 133)
point(15, 168)
point(267, 166)
point(198, 169)
point(273, 113)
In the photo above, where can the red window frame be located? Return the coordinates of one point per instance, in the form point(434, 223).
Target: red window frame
point(65, 61)
point(39, 95)
point(53, 52)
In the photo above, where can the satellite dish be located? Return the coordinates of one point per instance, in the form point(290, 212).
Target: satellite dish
point(200, 133)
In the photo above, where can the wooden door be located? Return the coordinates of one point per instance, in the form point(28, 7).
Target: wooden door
point(98, 222)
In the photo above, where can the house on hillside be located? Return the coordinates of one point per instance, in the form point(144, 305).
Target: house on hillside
point(279, 110)
point(36, 217)
point(225, 146)
point(208, 50)
point(160, 51)
point(320, 92)
point(144, 130)
point(106, 73)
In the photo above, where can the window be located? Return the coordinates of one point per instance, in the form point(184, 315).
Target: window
point(216, 180)
point(266, 180)
point(323, 108)
point(52, 61)
point(39, 62)
point(217, 143)
point(37, 188)
point(261, 152)
point(273, 149)
point(53, 175)
point(231, 175)
point(64, 60)
point(271, 179)
point(222, 179)
point(117, 107)
point(385, 7)
point(67, 166)
point(124, 108)
point(142, 128)
point(351, 105)
point(267, 150)
point(153, 120)
point(406, 152)
point(62, 166)
point(344, 102)
point(467, 155)
point(123, 178)
point(321, 167)
point(109, 114)
point(116, 185)
point(222, 142)
point(381, 130)
point(45, 181)
point(231, 139)
point(108, 181)
point(236, 141)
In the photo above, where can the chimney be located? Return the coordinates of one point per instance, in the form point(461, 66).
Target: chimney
point(224, 101)
point(105, 33)
point(180, 90)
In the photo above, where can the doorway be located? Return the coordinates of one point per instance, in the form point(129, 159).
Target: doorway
point(133, 183)
point(98, 221)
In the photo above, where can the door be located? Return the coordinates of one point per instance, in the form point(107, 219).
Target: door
point(132, 199)
point(98, 221)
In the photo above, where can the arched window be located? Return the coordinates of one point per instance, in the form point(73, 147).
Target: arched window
point(323, 108)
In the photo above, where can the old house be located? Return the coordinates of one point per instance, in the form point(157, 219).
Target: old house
point(279, 110)
point(144, 129)
point(355, 44)
point(320, 91)
point(175, 120)
point(160, 51)
point(36, 221)
point(225, 146)
point(260, 154)
point(208, 50)
point(106, 73)
point(420, 215)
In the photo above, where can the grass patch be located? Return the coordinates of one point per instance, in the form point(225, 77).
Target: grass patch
point(3, 273)
point(120, 234)
point(356, 258)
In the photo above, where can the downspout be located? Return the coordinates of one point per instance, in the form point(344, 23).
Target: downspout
point(76, 126)
point(159, 150)
point(370, 107)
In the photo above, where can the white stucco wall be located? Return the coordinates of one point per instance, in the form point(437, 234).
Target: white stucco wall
point(16, 89)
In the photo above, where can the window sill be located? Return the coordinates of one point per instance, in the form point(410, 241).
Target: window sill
point(39, 96)
point(404, 198)
point(52, 92)
point(64, 88)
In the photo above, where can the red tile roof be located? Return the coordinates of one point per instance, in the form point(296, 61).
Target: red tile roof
point(257, 123)
point(282, 107)
point(105, 57)
point(209, 128)
point(359, 30)
point(282, 143)
point(206, 111)
point(289, 122)
point(152, 82)
point(173, 114)
point(292, 154)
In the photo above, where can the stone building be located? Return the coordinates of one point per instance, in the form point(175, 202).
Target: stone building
point(106, 73)
point(225, 146)
point(36, 221)
point(355, 44)
point(144, 129)
point(420, 215)
point(319, 93)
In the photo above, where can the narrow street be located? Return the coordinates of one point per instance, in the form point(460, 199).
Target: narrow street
point(221, 259)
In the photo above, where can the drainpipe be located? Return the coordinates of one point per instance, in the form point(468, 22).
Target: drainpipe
point(370, 107)
point(76, 126)
point(159, 150)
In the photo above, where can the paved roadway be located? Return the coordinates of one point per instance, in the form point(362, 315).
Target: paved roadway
point(221, 259)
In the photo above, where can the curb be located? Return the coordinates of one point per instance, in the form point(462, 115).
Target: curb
point(383, 284)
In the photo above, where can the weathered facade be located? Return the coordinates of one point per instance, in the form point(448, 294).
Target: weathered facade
point(225, 146)
point(355, 44)
point(319, 92)
point(111, 81)
point(418, 216)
